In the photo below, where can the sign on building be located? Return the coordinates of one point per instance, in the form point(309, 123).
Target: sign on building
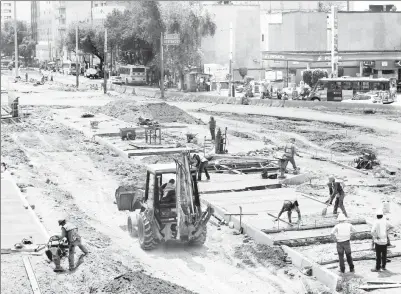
point(171, 39)
point(219, 72)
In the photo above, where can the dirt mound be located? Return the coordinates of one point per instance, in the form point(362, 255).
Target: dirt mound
point(130, 111)
point(251, 254)
point(141, 283)
point(350, 147)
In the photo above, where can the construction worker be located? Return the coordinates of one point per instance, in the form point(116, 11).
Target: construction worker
point(336, 191)
point(201, 164)
point(342, 232)
point(212, 127)
point(290, 151)
point(70, 232)
point(289, 207)
point(168, 191)
point(379, 233)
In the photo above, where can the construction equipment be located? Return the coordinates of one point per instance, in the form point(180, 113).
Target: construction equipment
point(56, 245)
point(160, 219)
point(127, 134)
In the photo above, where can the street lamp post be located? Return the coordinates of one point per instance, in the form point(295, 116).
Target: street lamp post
point(105, 62)
point(161, 66)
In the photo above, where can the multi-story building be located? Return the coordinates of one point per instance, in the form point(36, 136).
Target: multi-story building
point(7, 10)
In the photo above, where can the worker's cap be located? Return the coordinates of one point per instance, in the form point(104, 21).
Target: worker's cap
point(341, 218)
point(379, 211)
point(332, 178)
point(61, 221)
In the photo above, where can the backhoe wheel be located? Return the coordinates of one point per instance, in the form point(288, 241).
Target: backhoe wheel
point(201, 239)
point(133, 232)
point(145, 233)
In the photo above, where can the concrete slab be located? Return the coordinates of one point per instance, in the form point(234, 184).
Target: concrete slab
point(17, 222)
point(263, 201)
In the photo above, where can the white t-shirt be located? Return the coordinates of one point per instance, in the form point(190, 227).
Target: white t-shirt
point(342, 231)
point(379, 231)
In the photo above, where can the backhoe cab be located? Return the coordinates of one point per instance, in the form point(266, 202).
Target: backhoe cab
point(163, 213)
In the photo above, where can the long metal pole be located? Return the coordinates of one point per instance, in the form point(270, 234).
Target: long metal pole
point(15, 39)
point(231, 60)
point(105, 61)
point(161, 66)
point(76, 56)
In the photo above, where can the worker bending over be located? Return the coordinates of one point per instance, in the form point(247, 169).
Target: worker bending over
point(201, 164)
point(70, 232)
point(336, 191)
point(168, 191)
point(289, 207)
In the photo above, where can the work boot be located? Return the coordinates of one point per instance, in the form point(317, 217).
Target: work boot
point(58, 269)
point(374, 270)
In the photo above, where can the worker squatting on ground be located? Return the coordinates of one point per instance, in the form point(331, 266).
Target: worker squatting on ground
point(212, 127)
point(379, 232)
point(289, 152)
point(336, 190)
point(70, 232)
point(342, 232)
point(290, 206)
point(201, 164)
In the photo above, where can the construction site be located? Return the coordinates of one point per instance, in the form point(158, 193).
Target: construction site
point(97, 159)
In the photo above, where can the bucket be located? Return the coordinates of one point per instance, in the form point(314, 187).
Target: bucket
point(124, 198)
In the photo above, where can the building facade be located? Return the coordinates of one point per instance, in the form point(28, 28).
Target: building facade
point(7, 10)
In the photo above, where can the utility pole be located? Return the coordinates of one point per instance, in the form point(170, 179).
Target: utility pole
point(15, 39)
point(161, 66)
point(334, 41)
point(91, 56)
point(76, 56)
point(231, 61)
point(105, 62)
point(348, 5)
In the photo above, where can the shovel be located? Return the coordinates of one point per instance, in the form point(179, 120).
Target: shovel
point(324, 211)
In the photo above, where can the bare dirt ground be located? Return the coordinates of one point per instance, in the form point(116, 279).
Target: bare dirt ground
point(65, 174)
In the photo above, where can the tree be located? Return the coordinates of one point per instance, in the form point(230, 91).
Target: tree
point(90, 39)
point(7, 36)
point(318, 74)
point(243, 71)
point(307, 77)
point(325, 6)
point(27, 50)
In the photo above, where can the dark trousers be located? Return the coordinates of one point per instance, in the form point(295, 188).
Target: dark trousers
point(213, 133)
point(381, 256)
point(339, 203)
point(344, 247)
point(202, 167)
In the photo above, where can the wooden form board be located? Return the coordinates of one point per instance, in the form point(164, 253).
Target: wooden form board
point(31, 275)
point(157, 151)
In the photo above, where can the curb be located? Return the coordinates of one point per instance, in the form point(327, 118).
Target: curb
point(322, 274)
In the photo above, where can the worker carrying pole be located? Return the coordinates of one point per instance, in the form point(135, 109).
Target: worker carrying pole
point(289, 207)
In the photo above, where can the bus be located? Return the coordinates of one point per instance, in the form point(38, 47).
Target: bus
point(134, 74)
point(349, 88)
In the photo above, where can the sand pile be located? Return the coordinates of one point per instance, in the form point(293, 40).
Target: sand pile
point(142, 283)
point(130, 111)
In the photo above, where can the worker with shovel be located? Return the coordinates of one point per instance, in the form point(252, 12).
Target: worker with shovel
point(70, 232)
point(289, 207)
point(342, 232)
point(336, 191)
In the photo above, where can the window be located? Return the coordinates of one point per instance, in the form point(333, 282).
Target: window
point(355, 86)
point(138, 70)
point(365, 86)
point(346, 85)
point(322, 85)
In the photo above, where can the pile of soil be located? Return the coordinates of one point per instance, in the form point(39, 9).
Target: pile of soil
point(141, 283)
point(130, 111)
point(353, 148)
point(258, 253)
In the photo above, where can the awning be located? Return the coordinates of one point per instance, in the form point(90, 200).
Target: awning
point(326, 56)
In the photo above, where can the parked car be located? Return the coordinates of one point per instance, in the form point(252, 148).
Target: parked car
point(92, 73)
point(116, 80)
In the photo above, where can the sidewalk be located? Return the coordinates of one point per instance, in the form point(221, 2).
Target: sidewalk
point(17, 222)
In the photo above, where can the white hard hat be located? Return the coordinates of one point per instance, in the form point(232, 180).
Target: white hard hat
point(379, 211)
point(341, 217)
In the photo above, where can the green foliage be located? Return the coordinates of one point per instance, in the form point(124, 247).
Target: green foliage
point(27, 50)
point(7, 36)
point(325, 6)
point(243, 71)
point(318, 74)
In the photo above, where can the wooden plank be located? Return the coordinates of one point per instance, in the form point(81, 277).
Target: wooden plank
point(375, 287)
point(158, 152)
point(383, 282)
point(231, 169)
point(147, 146)
point(31, 275)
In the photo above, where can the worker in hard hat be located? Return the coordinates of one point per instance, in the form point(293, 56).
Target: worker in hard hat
point(290, 151)
point(70, 232)
point(336, 190)
point(212, 128)
point(342, 232)
point(379, 232)
point(289, 207)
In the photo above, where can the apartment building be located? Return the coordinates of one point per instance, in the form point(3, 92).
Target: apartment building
point(7, 10)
